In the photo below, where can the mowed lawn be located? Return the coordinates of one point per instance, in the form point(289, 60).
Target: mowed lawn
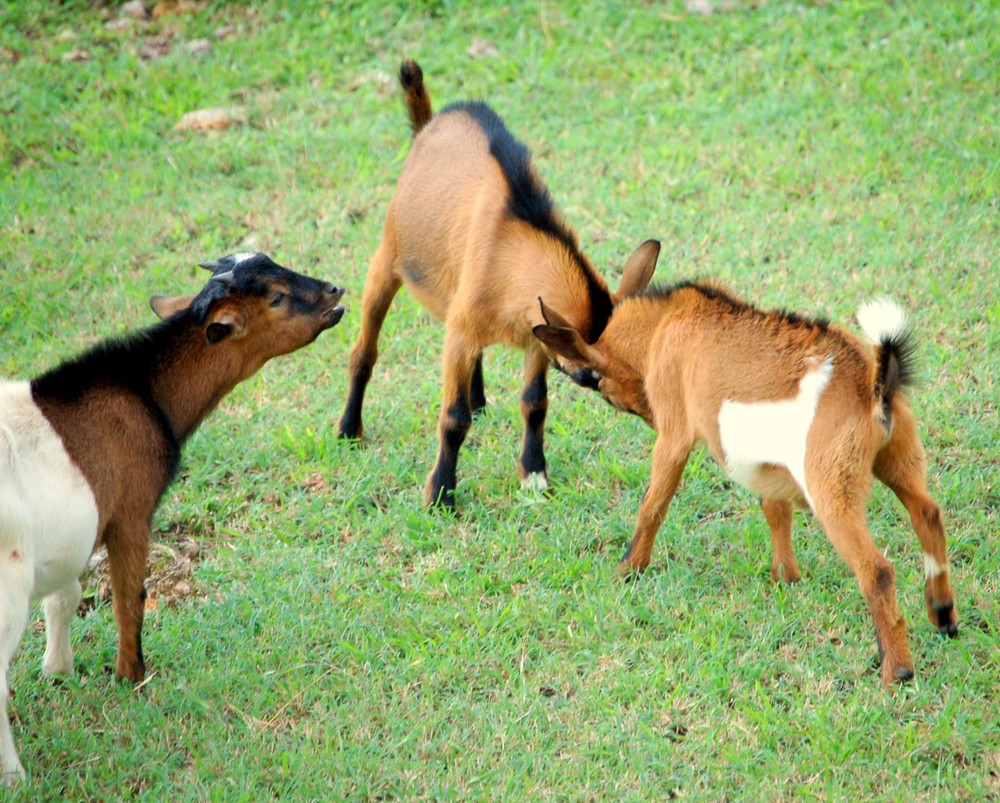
point(313, 633)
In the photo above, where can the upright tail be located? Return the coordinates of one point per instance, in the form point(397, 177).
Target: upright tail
point(885, 324)
point(418, 102)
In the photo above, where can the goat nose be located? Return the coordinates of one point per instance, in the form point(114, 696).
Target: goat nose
point(332, 288)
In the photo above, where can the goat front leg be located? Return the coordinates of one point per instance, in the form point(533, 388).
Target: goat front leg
point(784, 567)
point(15, 595)
point(669, 459)
point(128, 548)
point(455, 419)
point(534, 406)
point(381, 286)
point(59, 607)
point(901, 465)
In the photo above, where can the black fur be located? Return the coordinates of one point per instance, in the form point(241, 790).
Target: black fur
point(531, 202)
point(535, 399)
point(254, 276)
point(477, 390)
point(896, 369)
point(125, 364)
point(444, 479)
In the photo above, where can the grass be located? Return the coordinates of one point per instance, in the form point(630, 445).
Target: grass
point(341, 642)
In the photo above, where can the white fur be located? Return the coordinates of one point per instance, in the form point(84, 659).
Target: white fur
point(242, 256)
point(535, 481)
point(883, 319)
point(772, 433)
point(932, 568)
point(48, 528)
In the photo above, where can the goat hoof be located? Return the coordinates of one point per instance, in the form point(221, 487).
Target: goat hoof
point(535, 481)
point(902, 674)
point(784, 573)
point(348, 431)
point(442, 502)
point(12, 776)
point(944, 618)
point(628, 571)
point(949, 629)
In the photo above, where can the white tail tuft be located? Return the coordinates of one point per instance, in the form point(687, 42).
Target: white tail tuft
point(882, 319)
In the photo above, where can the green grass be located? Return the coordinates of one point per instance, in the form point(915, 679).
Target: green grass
point(342, 642)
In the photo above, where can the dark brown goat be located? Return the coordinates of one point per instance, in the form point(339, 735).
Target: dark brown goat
point(797, 411)
point(472, 232)
point(88, 448)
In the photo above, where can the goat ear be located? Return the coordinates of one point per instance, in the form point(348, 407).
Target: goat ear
point(565, 342)
point(222, 325)
point(168, 306)
point(639, 268)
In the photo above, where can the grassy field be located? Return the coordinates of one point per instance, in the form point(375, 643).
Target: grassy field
point(323, 636)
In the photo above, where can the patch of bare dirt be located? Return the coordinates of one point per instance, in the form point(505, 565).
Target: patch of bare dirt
point(170, 574)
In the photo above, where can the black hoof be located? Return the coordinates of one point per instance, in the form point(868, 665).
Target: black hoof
point(946, 620)
point(950, 630)
point(443, 503)
point(904, 674)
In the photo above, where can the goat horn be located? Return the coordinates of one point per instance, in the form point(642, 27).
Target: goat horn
point(225, 278)
point(545, 315)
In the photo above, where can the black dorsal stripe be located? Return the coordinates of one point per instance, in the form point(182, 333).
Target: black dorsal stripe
point(531, 202)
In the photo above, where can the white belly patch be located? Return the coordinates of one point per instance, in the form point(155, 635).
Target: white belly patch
point(772, 433)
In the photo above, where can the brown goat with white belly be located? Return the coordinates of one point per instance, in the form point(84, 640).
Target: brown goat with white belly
point(800, 412)
point(88, 448)
point(472, 232)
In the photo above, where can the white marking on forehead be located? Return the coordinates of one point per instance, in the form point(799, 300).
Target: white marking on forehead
point(772, 432)
point(242, 256)
point(932, 568)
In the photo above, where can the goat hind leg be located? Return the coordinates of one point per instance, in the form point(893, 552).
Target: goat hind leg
point(15, 592)
point(784, 567)
point(847, 531)
point(477, 392)
point(60, 606)
point(901, 465)
point(381, 286)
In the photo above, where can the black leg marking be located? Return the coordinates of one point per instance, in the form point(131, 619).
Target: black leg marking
point(350, 421)
point(477, 393)
point(459, 420)
point(946, 620)
point(534, 404)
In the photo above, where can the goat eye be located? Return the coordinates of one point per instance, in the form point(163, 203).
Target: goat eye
point(276, 299)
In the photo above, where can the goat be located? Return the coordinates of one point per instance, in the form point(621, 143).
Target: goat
point(797, 411)
point(471, 230)
point(88, 448)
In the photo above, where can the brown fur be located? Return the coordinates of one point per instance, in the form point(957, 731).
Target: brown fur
point(675, 358)
point(127, 449)
point(450, 237)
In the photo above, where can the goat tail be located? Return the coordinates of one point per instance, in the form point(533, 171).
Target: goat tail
point(885, 324)
point(418, 102)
